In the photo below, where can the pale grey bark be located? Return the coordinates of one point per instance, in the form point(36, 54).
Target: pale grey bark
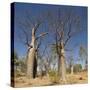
point(32, 55)
point(62, 67)
point(31, 58)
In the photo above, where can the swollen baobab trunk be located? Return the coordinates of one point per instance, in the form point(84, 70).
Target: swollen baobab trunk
point(31, 58)
point(62, 66)
point(31, 63)
point(32, 54)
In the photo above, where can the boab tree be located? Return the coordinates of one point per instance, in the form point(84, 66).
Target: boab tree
point(71, 64)
point(64, 24)
point(32, 51)
point(29, 27)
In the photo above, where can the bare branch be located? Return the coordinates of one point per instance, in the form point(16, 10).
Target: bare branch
point(56, 43)
point(38, 45)
point(68, 50)
point(72, 22)
point(41, 56)
point(41, 35)
point(25, 41)
point(36, 27)
point(67, 40)
point(71, 35)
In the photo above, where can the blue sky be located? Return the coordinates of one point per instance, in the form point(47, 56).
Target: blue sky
point(34, 9)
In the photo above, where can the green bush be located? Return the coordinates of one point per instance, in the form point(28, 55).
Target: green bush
point(77, 68)
point(54, 78)
point(18, 73)
point(68, 70)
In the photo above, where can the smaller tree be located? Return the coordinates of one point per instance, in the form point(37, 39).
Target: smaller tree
point(22, 64)
point(71, 64)
point(77, 68)
point(15, 60)
point(83, 56)
point(15, 64)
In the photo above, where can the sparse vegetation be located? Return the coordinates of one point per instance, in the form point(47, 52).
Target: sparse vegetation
point(50, 38)
point(54, 78)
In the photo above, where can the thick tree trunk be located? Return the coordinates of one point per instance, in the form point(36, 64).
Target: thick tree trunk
point(62, 69)
point(61, 64)
point(31, 59)
point(31, 63)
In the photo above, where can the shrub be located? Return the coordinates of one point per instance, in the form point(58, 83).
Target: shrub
point(18, 73)
point(54, 78)
point(77, 68)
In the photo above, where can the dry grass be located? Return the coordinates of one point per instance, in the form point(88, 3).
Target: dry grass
point(79, 78)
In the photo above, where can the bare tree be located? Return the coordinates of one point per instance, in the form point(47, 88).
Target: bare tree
point(64, 28)
point(71, 64)
point(29, 27)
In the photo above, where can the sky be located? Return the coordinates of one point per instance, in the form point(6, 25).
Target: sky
point(34, 10)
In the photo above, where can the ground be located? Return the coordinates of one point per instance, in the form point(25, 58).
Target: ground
point(78, 78)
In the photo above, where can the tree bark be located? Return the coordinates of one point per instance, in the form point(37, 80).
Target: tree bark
point(31, 59)
point(61, 64)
